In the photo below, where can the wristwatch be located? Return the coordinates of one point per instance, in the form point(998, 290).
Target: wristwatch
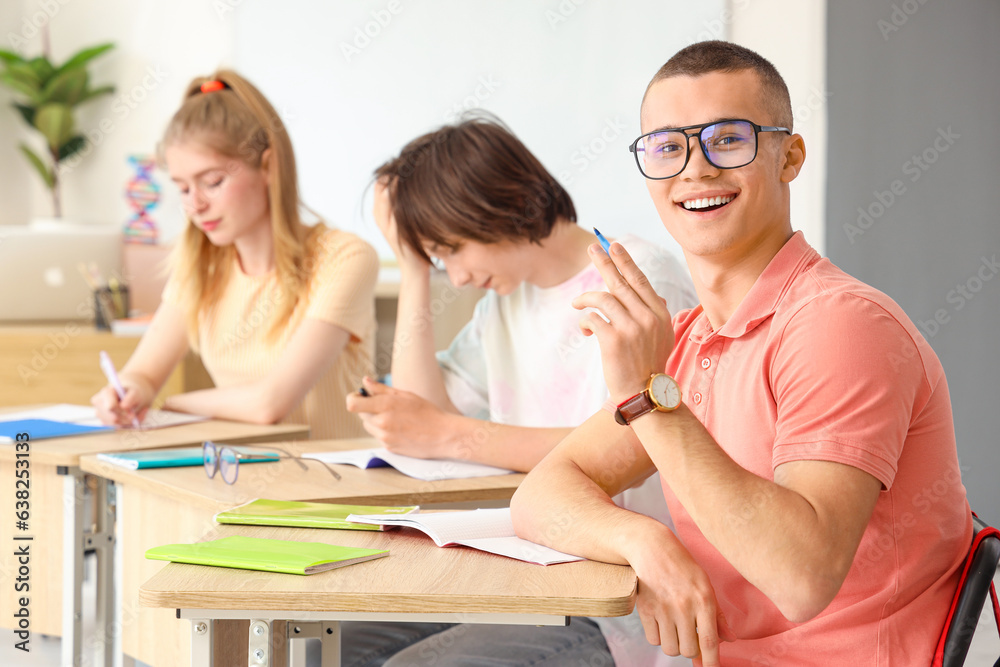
point(661, 394)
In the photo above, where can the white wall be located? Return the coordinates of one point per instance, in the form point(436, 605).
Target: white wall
point(566, 75)
point(159, 47)
point(792, 35)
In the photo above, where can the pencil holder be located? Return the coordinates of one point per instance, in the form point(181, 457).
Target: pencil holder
point(109, 305)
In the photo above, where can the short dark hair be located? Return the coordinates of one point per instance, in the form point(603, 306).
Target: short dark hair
point(472, 181)
point(718, 56)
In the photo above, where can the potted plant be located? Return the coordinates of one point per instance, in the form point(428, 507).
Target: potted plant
point(47, 96)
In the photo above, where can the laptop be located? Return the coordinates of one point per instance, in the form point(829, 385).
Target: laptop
point(40, 277)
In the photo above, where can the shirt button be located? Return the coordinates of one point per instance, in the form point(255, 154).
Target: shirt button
point(697, 397)
point(706, 362)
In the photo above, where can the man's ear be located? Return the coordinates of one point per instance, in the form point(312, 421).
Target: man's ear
point(794, 156)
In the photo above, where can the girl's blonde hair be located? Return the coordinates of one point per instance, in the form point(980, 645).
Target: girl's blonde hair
point(237, 121)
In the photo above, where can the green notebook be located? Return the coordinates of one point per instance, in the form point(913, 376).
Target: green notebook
point(254, 553)
point(263, 512)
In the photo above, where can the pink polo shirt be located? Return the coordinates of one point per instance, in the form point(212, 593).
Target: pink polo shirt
point(815, 365)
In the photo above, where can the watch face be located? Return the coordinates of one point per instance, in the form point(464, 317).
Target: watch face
point(664, 391)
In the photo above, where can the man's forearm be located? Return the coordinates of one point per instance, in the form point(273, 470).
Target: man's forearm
point(560, 507)
point(771, 534)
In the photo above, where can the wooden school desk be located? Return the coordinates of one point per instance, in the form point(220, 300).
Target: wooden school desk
point(59, 536)
point(417, 582)
point(189, 500)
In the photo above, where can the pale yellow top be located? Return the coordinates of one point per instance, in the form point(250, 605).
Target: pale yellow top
point(233, 341)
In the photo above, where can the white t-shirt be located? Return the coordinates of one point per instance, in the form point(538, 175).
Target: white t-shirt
point(522, 360)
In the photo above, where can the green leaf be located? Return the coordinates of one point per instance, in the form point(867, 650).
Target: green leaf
point(19, 86)
point(42, 67)
point(28, 113)
point(72, 147)
point(65, 87)
point(85, 56)
point(55, 121)
point(10, 57)
point(26, 73)
point(36, 161)
point(96, 92)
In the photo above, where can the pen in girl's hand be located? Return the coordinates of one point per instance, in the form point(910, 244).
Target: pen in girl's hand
point(604, 241)
point(363, 392)
point(109, 372)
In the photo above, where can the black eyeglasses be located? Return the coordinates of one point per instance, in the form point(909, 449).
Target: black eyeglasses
point(226, 460)
point(726, 144)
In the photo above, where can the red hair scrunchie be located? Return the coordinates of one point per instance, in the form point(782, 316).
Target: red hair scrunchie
point(212, 86)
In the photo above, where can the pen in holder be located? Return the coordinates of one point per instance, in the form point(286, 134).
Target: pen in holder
point(110, 303)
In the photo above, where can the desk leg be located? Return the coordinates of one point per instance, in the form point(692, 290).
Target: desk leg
point(328, 633)
point(201, 642)
point(72, 603)
point(108, 642)
point(117, 600)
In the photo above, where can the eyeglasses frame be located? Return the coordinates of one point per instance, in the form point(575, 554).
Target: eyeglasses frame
point(237, 456)
point(757, 129)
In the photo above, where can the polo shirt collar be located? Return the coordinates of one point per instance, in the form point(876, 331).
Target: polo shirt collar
point(767, 292)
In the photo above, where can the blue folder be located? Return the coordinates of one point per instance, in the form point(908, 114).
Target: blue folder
point(40, 429)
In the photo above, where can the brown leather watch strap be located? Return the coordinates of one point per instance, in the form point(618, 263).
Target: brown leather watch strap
point(634, 407)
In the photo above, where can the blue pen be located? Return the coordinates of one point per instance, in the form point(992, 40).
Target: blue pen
point(604, 241)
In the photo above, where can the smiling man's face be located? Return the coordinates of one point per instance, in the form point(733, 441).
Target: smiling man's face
point(721, 213)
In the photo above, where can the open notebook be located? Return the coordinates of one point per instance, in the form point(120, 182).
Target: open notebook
point(484, 529)
point(426, 469)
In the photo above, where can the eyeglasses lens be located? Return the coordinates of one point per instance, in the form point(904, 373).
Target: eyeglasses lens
point(228, 465)
point(208, 454)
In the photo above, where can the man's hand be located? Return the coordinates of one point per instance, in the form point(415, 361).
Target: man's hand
point(677, 603)
point(635, 332)
point(406, 423)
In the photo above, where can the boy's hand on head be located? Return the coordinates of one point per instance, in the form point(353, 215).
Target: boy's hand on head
point(382, 211)
point(635, 333)
point(403, 421)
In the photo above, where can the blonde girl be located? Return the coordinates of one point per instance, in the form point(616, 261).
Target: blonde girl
point(281, 313)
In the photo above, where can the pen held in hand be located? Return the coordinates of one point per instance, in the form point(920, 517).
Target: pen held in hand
point(604, 242)
point(108, 367)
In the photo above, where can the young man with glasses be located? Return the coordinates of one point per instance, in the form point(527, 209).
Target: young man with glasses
point(799, 422)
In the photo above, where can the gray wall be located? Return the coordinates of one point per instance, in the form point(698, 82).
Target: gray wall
point(914, 141)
